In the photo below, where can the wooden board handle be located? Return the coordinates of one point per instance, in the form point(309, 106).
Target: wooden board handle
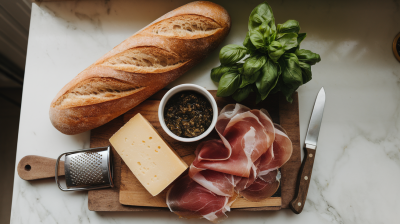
point(303, 181)
point(38, 167)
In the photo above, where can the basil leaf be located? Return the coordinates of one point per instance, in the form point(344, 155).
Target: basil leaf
point(241, 94)
point(268, 78)
point(257, 38)
point(228, 84)
point(231, 54)
point(248, 44)
point(308, 56)
point(235, 67)
point(290, 26)
point(291, 71)
point(305, 71)
point(263, 27)
point(268, 34)
point(249, 79)
point(300, 38)
point(288, 92)
point(240, 70)
point(278, 85)
point(253, 64)
point(261, 36)
point(217, 72)
point(275, 50)
point(273, 27)
point(288, 41)
point(260, 14)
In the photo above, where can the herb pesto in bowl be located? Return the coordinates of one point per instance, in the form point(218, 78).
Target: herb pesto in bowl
point(188, 112)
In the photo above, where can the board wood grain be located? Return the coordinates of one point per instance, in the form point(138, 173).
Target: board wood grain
point(128, 190)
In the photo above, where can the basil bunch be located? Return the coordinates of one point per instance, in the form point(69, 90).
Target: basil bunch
point(275, 62)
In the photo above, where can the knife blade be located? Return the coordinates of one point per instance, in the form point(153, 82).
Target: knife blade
point(310, 147)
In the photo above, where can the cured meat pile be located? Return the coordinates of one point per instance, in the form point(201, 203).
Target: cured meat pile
point(244, 162)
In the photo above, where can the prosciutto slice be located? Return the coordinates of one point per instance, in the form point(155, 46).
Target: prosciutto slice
point(245, 135)
point(228, 164)
point(268, 176)
point(219, 183)
point(281, 151)
point(262, 188)
point(244, 182)
point(188, 199)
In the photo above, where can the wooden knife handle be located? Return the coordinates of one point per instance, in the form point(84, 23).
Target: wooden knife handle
point(303, 181)
point(38, 167)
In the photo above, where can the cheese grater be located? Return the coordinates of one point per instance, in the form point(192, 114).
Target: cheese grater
point(87, 169)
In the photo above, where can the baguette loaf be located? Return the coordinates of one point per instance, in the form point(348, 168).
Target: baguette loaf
point(139, 67)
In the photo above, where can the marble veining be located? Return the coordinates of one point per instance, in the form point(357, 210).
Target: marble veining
point(357, 166)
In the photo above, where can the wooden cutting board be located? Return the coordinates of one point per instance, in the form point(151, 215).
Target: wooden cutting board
point(128, 191)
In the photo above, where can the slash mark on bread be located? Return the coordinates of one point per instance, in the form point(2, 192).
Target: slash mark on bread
point(146, 59)
point(186, 27)
point(94, 91)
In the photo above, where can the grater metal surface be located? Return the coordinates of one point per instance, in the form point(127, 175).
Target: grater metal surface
point(87, 169)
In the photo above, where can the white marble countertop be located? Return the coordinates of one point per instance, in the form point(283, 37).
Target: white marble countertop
point(356, 176)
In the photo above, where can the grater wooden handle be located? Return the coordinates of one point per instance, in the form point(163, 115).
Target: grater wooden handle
point(38, 167)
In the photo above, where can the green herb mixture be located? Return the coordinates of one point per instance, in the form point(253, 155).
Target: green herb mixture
point(275, 62)
point(188, 114)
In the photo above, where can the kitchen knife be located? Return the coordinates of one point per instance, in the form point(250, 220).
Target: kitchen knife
point(310, 146)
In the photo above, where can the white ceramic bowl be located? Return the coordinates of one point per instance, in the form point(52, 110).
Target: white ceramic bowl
point(187, 87)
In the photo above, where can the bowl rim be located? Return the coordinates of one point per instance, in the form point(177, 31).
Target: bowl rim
point(187, 87)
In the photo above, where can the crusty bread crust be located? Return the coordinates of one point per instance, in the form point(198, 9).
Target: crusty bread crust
point(139, 67)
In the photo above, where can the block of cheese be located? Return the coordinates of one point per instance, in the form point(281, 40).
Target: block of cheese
point(154, 163)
